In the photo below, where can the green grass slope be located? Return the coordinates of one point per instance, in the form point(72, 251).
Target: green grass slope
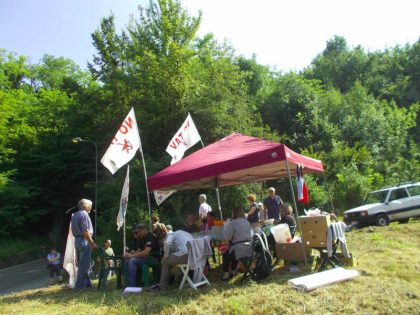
point(388, 260)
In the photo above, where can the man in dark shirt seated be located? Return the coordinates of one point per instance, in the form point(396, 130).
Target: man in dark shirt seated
point(146, 243)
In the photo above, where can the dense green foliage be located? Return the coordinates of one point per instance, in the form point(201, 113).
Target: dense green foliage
point(357, 111)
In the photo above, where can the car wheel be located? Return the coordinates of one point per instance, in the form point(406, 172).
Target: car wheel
point(403, 221)
point(382, 220)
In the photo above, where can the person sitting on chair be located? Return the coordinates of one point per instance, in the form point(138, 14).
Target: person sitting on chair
point(146, 244)
point(238, 236)
point(287, 217)
point(175, 252)
point(109, 251)
point(53, 265)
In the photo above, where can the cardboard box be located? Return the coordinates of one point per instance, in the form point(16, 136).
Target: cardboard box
point(315, 223)
point(291, 252)
point(314, 230)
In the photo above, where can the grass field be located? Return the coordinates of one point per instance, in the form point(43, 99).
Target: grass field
point(388, 259)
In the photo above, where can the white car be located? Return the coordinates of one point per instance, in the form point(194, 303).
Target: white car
point(396, 203)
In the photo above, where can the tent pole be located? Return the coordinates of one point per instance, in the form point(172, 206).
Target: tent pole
point(218, 203)
point(217, 192)
point(296, 213)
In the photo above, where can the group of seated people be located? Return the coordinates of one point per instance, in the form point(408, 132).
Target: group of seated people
point(162, 244)
point(239, 230)
point(170, 247)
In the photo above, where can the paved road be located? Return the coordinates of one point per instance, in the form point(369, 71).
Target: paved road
point(32, 275)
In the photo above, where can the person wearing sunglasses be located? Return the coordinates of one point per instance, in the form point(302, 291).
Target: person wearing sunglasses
point(146, 244)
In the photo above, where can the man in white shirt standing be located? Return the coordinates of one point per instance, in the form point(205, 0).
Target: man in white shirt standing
point(204, 207)
point(175, 252)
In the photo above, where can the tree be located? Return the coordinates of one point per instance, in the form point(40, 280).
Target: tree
point(13, 70)
point(338, 66)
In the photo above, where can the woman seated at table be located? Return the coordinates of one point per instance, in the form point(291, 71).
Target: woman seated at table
point(286, 212)
point(238, 235)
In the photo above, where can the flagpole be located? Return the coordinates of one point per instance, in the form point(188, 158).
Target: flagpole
point(217, 193)
point(124, 238)
point(145, 180)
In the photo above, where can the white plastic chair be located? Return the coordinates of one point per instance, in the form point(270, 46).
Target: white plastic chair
point(198, 251)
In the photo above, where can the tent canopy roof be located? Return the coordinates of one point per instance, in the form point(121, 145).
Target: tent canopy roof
point(235, 159)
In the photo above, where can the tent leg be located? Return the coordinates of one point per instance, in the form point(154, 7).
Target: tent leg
point(218, 203)
point(296, 213)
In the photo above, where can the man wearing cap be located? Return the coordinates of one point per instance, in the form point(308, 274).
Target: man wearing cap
point(81, 227)
point(147, 244)
point(272, 204)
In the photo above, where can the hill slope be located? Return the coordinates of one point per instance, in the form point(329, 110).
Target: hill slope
point(388, 260)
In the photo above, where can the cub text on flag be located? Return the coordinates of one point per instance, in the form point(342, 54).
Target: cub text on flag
point(184, 139)
point(124, 145)
point(124, 200)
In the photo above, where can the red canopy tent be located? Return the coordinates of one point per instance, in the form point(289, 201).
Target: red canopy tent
point(235, 159)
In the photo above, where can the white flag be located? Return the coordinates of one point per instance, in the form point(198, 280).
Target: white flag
point(184, 139)
point(124, 145)
point(161, 196)
point(124, 200)
point(69, 262)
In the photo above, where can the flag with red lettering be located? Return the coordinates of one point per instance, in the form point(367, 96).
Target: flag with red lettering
point(124, 145)
point(124, 200)
point(184, 139)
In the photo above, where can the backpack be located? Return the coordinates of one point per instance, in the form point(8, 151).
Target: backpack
point(260, 258)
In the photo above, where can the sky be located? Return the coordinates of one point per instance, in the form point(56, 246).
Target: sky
point(284, 34)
